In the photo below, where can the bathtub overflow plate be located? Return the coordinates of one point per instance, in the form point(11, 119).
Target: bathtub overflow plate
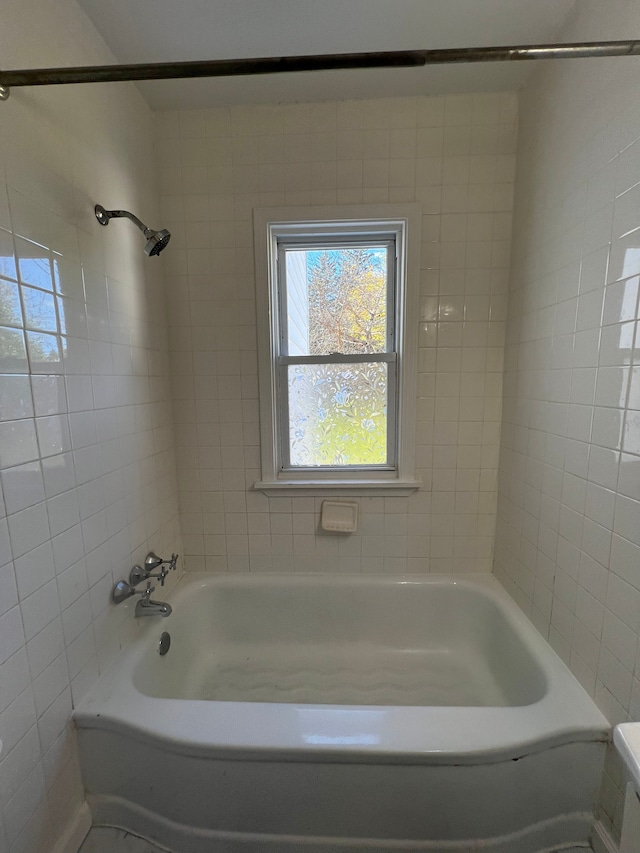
point(165, 642)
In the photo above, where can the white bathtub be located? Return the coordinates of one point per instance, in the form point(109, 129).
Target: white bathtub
point(322, 713)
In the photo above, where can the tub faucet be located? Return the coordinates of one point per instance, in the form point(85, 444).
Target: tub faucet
point(145, 606)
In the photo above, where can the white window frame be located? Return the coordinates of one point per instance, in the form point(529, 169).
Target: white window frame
point(274, 227)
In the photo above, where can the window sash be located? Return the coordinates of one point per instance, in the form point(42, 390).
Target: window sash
point(284, 463)
point(385, 240)
point(389, 355)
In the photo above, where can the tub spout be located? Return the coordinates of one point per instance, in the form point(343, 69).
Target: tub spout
point(147, 607)
point(153, 608)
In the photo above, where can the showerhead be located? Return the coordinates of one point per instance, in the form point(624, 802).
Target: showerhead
point(156, 240)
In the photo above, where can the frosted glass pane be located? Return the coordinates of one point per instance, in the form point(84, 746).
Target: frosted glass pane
point(337, 414)
point(337, 300)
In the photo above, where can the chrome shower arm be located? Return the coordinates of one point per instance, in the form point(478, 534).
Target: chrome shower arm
point(156, 240)
point(119, 214)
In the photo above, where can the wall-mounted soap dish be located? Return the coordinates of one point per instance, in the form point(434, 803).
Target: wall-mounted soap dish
point(339, 516)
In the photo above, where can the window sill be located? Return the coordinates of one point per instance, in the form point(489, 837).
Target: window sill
point(325, 488)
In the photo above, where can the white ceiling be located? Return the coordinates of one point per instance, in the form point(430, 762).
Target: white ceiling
point(178, 30)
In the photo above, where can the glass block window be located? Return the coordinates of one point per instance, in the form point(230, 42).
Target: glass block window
point(333, 327)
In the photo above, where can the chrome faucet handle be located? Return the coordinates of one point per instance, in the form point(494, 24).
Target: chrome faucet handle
point(146, 595)
point(152, 561)
point(123, 590)
point(138, 574)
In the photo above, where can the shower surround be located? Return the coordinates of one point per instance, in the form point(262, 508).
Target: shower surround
point(568, 542)
point(87, 473)
point(454, 155)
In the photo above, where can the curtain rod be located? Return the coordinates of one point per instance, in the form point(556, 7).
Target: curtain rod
point(319, 62)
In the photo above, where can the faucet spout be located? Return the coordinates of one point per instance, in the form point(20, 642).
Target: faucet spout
point(147, 607)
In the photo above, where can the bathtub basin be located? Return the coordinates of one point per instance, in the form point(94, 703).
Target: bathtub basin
point(321, 713)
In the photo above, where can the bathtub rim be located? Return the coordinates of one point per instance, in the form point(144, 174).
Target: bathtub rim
point(455, 735)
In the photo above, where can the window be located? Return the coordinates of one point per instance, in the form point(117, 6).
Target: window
point(336, 326)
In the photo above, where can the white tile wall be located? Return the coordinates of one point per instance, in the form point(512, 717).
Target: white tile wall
point(567, 541)
point(453, 154)
point(87, 479)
